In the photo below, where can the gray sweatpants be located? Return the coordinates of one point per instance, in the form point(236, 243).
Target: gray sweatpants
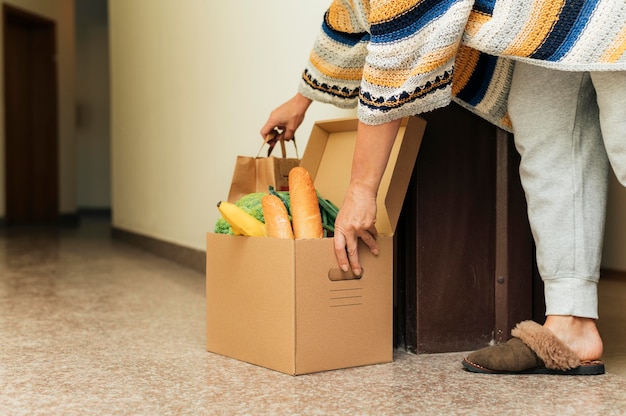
point(569, 128)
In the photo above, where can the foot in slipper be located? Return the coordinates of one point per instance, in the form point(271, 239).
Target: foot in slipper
point(533, 350)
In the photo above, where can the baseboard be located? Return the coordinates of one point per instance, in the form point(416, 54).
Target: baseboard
point(68, 219)
point(95, 212)
point(73, 219)
point(188, 257)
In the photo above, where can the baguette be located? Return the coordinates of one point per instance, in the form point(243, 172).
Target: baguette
point(277, 220)
point(305, 210)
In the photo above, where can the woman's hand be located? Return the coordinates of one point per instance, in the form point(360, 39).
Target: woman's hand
point(287, 117)
point(357, 216)
point(356, 219)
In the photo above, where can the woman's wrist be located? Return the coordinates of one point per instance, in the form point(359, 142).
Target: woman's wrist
point(302, 101)
point(374, 143)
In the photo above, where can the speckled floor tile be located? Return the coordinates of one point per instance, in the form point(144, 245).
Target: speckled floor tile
point(94, 326)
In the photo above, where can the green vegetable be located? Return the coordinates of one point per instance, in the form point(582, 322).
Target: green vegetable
point(251, 203)
point(329, 213)
point(222, 227)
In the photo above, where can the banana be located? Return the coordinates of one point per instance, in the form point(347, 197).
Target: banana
point(240, 221)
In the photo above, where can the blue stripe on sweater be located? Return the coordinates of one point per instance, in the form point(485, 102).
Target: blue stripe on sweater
point(410, 22)
point(485, 6)
point(476, 87)
point(345, 38)
point(573, 19)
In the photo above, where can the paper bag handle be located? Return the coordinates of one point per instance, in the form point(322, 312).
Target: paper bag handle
point(272, 138)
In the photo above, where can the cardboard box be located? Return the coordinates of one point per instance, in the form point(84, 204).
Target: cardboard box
point(284, 304)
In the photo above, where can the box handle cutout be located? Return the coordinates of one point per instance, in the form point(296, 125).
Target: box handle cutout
point(337, 275)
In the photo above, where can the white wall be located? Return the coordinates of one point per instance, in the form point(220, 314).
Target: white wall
point(192, 83)
point(62, 12)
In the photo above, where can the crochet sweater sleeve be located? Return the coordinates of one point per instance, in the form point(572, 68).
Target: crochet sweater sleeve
point(393, 59)
point(335, 68)
point(404, 57)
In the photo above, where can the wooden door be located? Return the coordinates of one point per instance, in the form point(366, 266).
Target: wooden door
point(464, 258)
point(31, 149)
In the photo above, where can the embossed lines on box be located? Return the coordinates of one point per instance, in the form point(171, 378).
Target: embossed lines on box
point(346, 297)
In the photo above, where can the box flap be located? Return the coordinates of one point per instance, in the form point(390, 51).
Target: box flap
point(328, 158)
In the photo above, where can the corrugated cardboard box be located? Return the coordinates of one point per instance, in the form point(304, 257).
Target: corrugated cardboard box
point(284, 304)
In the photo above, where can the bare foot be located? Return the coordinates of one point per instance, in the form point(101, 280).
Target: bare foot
point(579, 334)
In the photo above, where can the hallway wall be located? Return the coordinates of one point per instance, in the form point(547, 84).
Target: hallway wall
point(191, 87)
point(61, 12)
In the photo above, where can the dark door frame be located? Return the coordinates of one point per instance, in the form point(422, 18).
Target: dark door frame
point(31, 118)
point(464, 251)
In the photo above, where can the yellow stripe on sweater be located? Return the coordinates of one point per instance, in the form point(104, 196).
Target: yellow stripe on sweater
point(506, 121)
point(475, 22)
point(334, 71)
point(464, 66)
point(537, 28)
point(397, 78)
point(339, 17)
point(385, 10)
point(617, 48)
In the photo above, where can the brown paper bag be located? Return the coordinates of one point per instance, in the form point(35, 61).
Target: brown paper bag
point(256, 174)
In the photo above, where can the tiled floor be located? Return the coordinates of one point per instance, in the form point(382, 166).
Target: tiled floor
point(93, 326)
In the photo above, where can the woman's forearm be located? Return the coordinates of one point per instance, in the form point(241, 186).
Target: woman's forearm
point(373, 147)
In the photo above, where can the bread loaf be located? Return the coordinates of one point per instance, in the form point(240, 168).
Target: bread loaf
point(305, 210)
point(277, 221)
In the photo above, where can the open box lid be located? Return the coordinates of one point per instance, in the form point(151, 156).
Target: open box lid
point(328, 158)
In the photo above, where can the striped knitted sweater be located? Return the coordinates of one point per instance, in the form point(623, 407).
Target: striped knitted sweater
point(395, 58)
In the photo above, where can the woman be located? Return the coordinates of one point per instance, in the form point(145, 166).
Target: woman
point(551, 72)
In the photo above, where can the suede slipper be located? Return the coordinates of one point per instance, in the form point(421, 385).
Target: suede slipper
point(533, 350)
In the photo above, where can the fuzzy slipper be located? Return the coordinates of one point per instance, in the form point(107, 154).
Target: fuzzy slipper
point(533, 350)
